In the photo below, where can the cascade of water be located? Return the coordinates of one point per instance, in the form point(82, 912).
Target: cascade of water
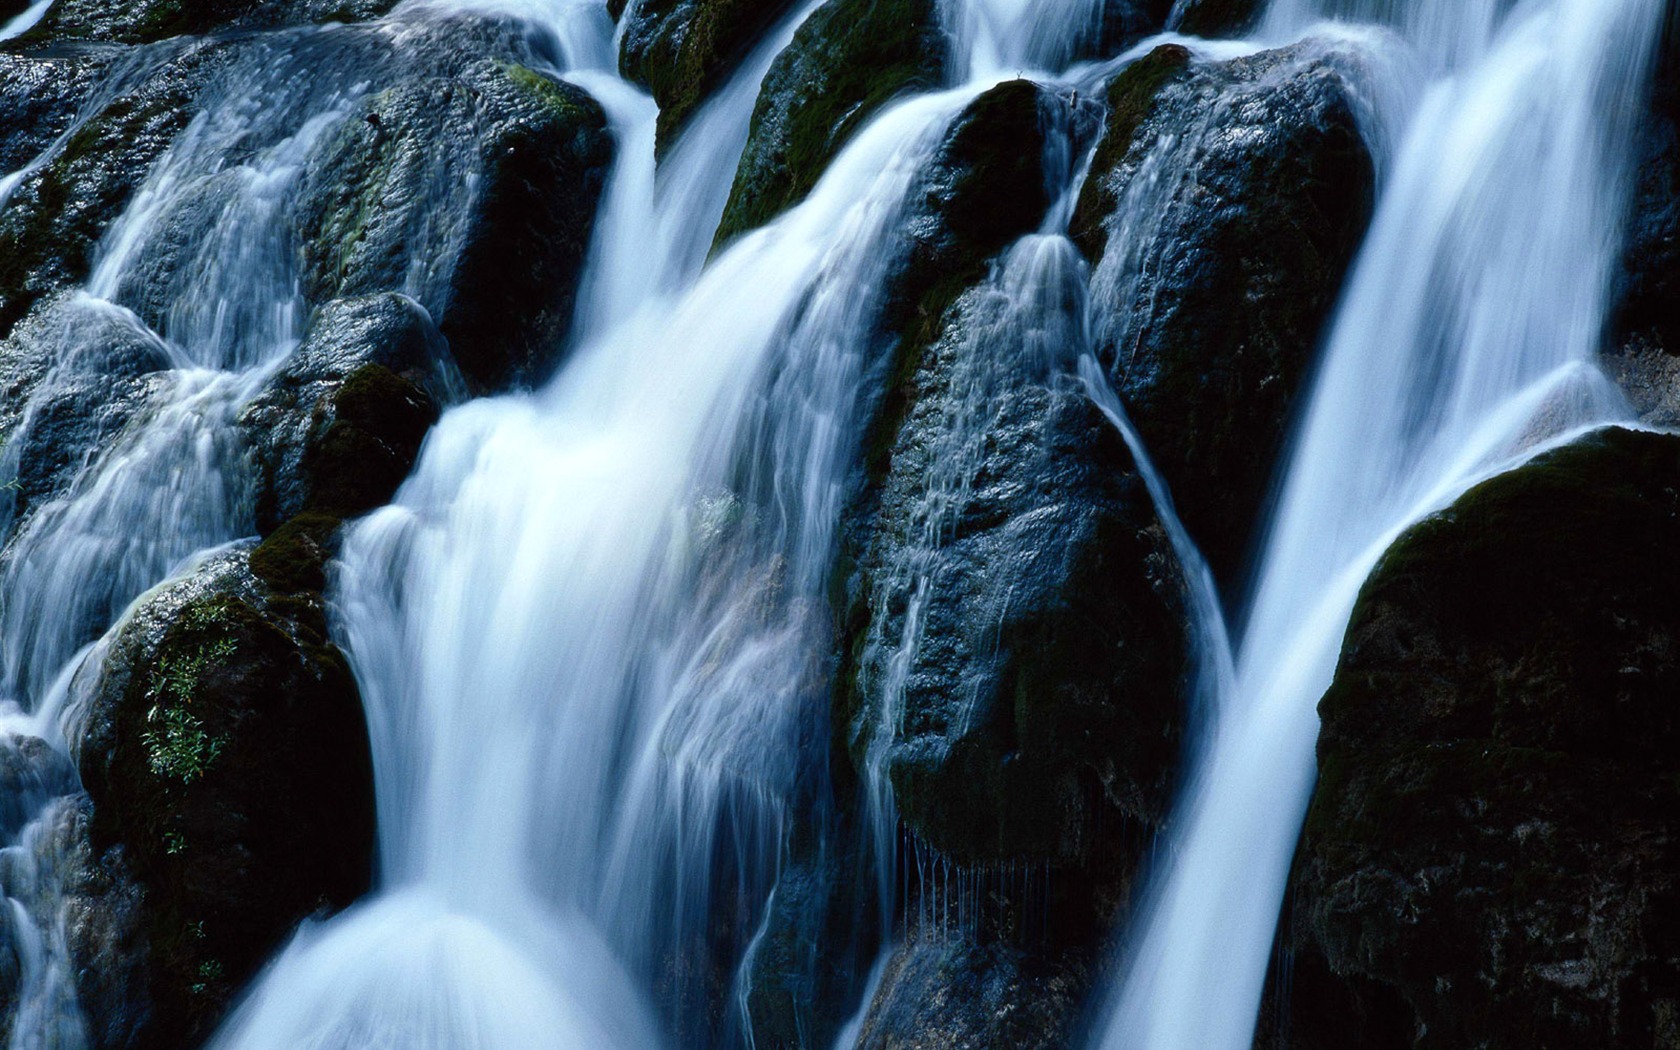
point(172, 350)
point(584, 693)
point(1464, 342)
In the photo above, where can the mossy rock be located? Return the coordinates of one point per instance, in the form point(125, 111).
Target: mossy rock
point(54, 220)
point(147, 21)
point(517, 160)
point(1491, 858)
point(339, 426)
point(1243, 189)
point(681, 49)
point(848, 60)
point(226, 756)
point(1130, 99)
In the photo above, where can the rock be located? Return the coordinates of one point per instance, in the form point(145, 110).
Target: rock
point(39, 97)
point(1216, 18)
point(1010, 532)
point(987, 186)
point(86, 911)
point(681, 49)
point(518, 163)
point(1492, 856)
point(52, 222)
point(144, 21)
point(1221, 233)
point(946, 993)
point(339, 425)
point(1642, 351)
point(226, 756)
point(848, 60)
point(72, 377)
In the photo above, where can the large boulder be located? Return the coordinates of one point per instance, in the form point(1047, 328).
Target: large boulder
point(1492, 856)
point(1224, 208)
point(339, 425)
point(1021, 635)
point(226, 756)
point(849, 59)
point(514, 160)
point(681, 49)
point(950, 992)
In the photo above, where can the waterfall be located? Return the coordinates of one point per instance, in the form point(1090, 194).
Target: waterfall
point(593, 631)
point(1464, 342)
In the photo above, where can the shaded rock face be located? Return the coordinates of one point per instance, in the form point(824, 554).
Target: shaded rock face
point(1216, 19)
point(1222, 214)
point(51, 223)
point(1491, 858)
point(225, 754)
point(495, 140)
point(1642, 351)
point(849, 59)
point(951, 993)
point(681, 49)
point(144, 21)
point(339, 426)
point(1023, 648)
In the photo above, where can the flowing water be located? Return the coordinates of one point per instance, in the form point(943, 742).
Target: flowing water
point(592, 631)
point(1464, 341)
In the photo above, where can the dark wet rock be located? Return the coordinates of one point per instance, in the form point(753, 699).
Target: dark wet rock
point(1642, 351)
point(31, 774)
point(681, 49)
point(95, 368)
point(848, 60)
point(520, 160)
point(143, 21)
point(987, 185)
point(807, 970)
point(39, 97)
point(339, 426)
point(1045, 697)
point(91, 905)
point(226, 755)
point(1492, 857)
point(948, 992)
point(1216, 19)
point(51, 224)
point(1221, 232)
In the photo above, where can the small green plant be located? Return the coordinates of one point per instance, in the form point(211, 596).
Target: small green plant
point(174, 843)
point(178, 746)
point(210, 970)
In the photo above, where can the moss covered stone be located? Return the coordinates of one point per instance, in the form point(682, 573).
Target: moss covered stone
point(1130, 98)
point(50, 226)
point(681, 49)
point(518, 160)
point(846, 61)
point(1492, 858)
point(228, 762)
